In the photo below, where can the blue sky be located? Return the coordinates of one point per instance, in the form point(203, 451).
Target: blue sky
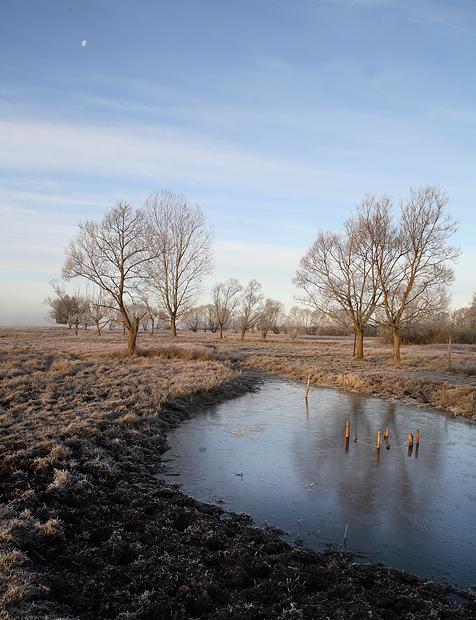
point(275, 116)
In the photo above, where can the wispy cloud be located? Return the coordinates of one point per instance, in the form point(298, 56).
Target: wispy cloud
point(160, 155)
point(453, 16)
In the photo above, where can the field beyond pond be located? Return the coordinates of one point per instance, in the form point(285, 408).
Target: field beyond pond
point(87, 531)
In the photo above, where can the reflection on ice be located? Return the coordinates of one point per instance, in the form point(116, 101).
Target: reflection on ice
point(285, 461)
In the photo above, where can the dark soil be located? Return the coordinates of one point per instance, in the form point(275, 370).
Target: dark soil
point(95, 535)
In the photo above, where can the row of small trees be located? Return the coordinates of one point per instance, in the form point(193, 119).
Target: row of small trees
point(84, 310)
point(241, 309)
point(269, 316)
point(245, 308)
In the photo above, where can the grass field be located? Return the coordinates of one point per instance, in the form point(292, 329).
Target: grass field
point(86, 530)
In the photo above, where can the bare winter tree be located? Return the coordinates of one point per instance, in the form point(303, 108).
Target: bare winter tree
point(226, 297)
point(182, 243)
point(210, 318)
point(100, 310)
point(195, 318)
point(338, 277)
point(304, 321)
point(279, 321)
point(268, 316)
point(412, 258)
point(294, 322)
point(453, 320)
point(250, 307)
point(79, 311)
point(152, 314)
point(112, 255)
point(61, 304)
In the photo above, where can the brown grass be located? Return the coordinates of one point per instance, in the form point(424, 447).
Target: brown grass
point(60, 394)
point(76, 416)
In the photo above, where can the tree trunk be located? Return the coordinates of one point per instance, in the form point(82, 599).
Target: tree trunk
point(243, 332)
point(152, 328)
point(359, 343)
point(173, 326)
point(98, 329)
point(76, 329)
point(132, 337)
point(396, 346)
point(221, 331)
point(449, 350)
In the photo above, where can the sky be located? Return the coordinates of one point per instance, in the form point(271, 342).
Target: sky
point(275, 116)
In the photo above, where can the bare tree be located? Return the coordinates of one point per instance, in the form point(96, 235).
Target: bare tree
point(100, 311)
point(79, 311)
point(454, 319)
point(226, 297)
point(112, 255)
point(195, 318)
point(72, 310)
point(210, 318)
point(153, 313)
point(183, 247)
point(268, 315)
point(303, 321)
point(411, 258)
point(61, 305)
point(294, 322)
point(279, 321)
point(250, 307)
point(338, 277)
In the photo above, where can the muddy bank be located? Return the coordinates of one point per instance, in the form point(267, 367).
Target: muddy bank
point(87, 532)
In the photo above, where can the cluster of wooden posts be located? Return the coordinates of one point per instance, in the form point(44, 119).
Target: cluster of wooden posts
point(386, 435)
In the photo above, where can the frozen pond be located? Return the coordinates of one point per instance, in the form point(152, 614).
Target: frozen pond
point(285, 463)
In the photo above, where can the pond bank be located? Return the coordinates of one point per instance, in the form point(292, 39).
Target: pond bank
point(454, 395)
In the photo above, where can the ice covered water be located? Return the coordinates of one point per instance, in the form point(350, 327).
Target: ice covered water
point(284, 462)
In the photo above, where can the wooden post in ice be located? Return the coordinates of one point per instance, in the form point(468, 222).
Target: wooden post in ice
point(379, 439)
point(417, 437)
point(386, 434)
point(410, 440)
point(307, 386)
point(347, 434)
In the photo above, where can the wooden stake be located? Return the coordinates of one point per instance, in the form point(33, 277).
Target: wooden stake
point(379, 439)
point(417, 437)
point(307, 386)
point(347, 429)
point(410, 440)
point(386, 433)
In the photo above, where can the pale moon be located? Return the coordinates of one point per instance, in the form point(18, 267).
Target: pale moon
point(84, 43)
